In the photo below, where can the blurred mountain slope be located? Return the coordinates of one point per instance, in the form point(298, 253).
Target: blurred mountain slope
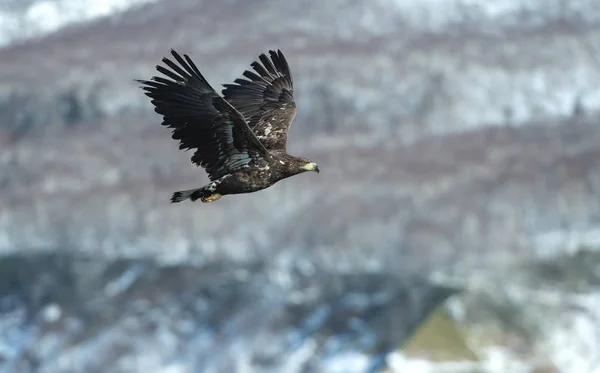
point(457, 75)
point(462, 142)
point(73, 128)
point(73, 312)
point(21, 20)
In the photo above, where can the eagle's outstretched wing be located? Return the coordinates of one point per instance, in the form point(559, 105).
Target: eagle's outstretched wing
point(266, 99)
point(201, 119)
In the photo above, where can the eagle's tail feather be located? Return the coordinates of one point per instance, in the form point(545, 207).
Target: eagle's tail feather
point(204, 193)
point(192, 194)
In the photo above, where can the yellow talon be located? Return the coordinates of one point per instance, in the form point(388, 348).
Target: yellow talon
point(213, 197)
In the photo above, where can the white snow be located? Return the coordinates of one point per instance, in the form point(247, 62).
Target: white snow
point(435, 15)
point(46, 16)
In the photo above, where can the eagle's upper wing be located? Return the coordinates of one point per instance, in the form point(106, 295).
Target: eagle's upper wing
point(266, 99)
point(201, 119)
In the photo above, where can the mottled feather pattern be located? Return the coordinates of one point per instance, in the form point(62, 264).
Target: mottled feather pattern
point(200, 118)
point(239, 139)
point(266, 99)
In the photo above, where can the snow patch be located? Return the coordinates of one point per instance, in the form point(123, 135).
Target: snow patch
point(575, 344)
point(550, 244)
point(399, 363)
point(435, 15)
point(46, 16)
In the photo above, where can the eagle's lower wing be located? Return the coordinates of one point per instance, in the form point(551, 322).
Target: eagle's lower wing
point(201, 119)
point(266, 99)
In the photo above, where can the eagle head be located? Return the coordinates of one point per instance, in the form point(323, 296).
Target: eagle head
point(309, 165)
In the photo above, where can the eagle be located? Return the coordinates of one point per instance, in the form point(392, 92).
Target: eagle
point(239, 137)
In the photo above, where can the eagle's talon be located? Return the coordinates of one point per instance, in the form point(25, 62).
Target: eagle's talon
point(213, 197)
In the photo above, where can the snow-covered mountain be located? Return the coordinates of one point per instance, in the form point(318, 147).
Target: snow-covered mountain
point(458, 140)
point(24, 19)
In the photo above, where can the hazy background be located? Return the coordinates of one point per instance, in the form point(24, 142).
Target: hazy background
point(458, 143)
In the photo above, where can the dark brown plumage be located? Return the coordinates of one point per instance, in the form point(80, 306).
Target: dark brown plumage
point(239, 139)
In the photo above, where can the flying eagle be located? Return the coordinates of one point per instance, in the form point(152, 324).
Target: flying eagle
point(239, 138)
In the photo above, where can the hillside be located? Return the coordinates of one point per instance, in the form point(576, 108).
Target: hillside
point(454, 140)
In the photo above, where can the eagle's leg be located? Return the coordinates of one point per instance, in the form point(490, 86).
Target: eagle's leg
point(209, 192)
point(211, 198)
point(206, 194)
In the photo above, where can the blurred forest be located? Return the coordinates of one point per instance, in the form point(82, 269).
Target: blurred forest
point(454, 227)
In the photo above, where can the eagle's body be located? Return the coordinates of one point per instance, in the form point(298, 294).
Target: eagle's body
point(261, 173)
point(240, 138)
